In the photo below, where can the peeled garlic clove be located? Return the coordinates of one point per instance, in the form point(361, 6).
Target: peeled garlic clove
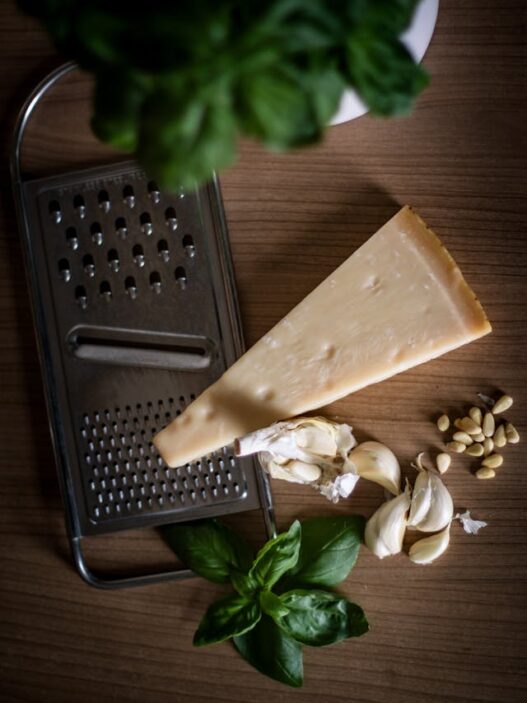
point(385, 529)
point(307, 473)
point(375, 462)
point(428, 549)
point(432, 507)
point(316, 440)
point(276, 470)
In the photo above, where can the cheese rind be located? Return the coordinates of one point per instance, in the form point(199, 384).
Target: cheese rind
point(396, 302)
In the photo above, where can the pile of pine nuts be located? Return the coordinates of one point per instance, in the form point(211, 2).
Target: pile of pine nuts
point(478, 435)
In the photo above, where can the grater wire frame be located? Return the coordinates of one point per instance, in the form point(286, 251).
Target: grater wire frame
point(73, 525)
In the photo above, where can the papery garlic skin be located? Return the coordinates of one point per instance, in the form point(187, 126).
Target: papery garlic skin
point(432, 506)
point(375, 462)
point(385, 529)
point(471, 526)
point(341, 487)
point(428, 549)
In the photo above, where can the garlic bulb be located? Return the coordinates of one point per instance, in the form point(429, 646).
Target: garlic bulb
point(309, 450)
point(313, 440)
point(426, 550)
point(432, 507)
point(375, 462)
point(385, 529)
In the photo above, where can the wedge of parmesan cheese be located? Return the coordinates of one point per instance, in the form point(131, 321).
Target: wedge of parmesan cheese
point(398, 301)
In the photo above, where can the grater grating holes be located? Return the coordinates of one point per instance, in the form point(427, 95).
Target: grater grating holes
point(162, 250)
point(96, 233)
point(105, 291)
point(131, 287)
point(154, 192)
point(88, 265)
point(120, 228)
point(113, 260)
point(171, 218)
point(146, 223)
point(104, 201)
point(81, 297)
point(138, 255)
point(128, 196)
point(129, 482)
point(64, 270)
point(55, 211)
point(181, 277)
point(72, 238)
point(188, 246)
point(79, 206)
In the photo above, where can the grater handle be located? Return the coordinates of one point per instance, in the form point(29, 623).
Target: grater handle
point(112, 581)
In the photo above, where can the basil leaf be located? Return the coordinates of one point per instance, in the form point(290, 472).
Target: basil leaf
point(394, 15)
point(328, 550)
point(273, 106)
point(383, 72)
point(209, 548)
point(318, 617)
point(226, 618)
point(243, 583)
point(272, 605)
point(117, 103)
point(276, 557)
point(272, 652)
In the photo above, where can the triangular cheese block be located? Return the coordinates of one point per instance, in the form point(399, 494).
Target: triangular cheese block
point(398, 301)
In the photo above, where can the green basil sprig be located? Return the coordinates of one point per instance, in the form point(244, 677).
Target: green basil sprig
point(281, 600)
point(178, 82)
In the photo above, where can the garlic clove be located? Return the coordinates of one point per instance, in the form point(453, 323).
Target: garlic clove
point(375, 462)
point(426, 550)
point(275, 470)
point(432, 506)
point(307, 473)
point(421, 499)
point(385, 529)
point(316, 440)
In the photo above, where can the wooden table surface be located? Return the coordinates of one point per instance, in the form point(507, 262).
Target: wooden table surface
point(452, 631)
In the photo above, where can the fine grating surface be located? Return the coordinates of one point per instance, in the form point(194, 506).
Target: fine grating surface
point(124, 475)
point(137, 296)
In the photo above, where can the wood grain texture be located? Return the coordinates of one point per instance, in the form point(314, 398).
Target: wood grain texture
point(451, 632)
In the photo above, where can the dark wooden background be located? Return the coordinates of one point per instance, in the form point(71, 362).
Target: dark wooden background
point(453, 631)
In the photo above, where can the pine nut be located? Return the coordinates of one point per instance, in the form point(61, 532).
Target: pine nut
point(502, 404)
point(485, 472)
point(492, 461)
point(512, 433)
point(489, 425)
point(478, 437)
point(475, 450)
point(488, 446)
point(467, 424)
point(500, 438)
point(462, 437)
point(443, 423)
point(476, 415)
point(457, 447)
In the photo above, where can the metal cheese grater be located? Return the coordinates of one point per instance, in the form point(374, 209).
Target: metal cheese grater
point(136, 314)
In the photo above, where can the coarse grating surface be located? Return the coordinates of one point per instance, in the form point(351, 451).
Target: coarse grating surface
point(138, 316)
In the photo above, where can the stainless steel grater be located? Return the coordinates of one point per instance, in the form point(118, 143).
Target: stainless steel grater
point(136, 314)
